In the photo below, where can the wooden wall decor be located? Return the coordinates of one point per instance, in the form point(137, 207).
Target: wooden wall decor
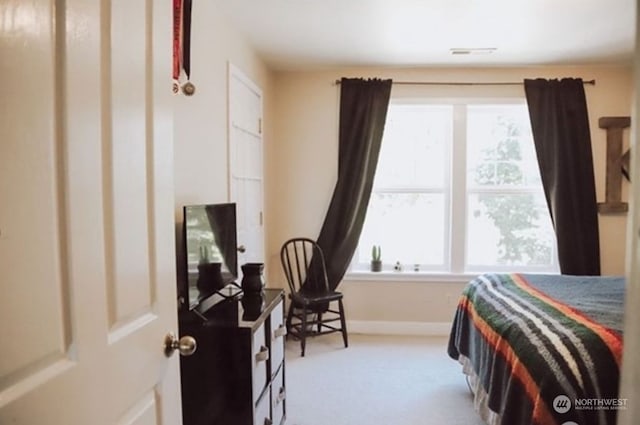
point(617, 165)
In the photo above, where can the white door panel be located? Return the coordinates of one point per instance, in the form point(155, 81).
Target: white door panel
point(630, 372)
point(246, 167)
point(86, 213)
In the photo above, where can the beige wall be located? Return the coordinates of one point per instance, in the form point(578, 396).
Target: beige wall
point(302, 167)
point(200, 121)
point(301, 121)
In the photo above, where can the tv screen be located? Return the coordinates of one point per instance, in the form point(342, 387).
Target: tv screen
point(210, 249)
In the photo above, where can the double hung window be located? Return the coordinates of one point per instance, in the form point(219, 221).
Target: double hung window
point(457, 189)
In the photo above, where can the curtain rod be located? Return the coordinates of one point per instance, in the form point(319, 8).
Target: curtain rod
point(451, 83)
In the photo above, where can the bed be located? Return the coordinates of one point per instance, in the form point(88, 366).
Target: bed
point(541, 349)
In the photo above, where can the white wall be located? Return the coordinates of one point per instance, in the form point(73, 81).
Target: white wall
point(200, 121)
point(303, 166)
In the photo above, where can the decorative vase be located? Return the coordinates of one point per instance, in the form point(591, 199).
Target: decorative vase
point(210, 277)
point(252, 280)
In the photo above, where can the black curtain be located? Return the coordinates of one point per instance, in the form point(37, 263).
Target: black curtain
point(363, 111)
point(560, 125)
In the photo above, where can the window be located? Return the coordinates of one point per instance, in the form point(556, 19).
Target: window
point(457, 189)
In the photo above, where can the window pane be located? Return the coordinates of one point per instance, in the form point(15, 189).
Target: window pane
point(409, 228)
point(500, 149)
point(414, 146)
point(507, 222)
point(509, 230)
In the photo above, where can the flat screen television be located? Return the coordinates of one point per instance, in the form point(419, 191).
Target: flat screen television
point(210, 259)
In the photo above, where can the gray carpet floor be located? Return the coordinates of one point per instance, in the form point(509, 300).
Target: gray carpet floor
point(390, 380)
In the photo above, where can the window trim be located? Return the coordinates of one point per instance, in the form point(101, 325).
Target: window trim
point(408, 276)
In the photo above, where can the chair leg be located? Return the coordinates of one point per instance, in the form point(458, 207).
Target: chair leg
point(343, 322)
point(319, 322)
point(303, 331)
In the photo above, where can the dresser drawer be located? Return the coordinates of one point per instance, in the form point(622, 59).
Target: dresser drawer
point(262, 413)
point(278, 397)
point(260, 353)
point(278, 332)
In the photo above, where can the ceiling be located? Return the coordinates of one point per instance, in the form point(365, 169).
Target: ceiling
point(308, 34)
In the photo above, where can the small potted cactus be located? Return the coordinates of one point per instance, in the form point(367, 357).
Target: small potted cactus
point(376, 258)
point(204, 255)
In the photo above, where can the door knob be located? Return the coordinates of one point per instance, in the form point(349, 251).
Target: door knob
point(186, 345)
point(242, 249)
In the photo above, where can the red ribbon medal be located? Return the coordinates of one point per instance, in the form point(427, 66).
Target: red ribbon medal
point(182, 45)
point(177, 32)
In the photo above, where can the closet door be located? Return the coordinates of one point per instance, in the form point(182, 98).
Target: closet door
point(246, 168)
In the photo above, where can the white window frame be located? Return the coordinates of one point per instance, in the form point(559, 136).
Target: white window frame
point(456, 195)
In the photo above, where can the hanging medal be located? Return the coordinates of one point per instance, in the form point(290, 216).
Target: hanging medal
point(177, 32)
point(187, 88)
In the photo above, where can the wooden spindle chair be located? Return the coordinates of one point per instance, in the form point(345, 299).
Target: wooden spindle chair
point(310, 311)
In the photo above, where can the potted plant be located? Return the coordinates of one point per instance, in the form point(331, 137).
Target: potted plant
point(376, 258)
point(204, 255)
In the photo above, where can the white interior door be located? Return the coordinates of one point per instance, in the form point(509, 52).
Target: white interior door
point(246, 173)
point(630, 372)
point(86, 214)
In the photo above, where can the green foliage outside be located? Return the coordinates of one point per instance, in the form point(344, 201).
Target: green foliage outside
point(515, 216)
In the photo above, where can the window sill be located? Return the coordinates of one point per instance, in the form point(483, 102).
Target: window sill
point(408, 276)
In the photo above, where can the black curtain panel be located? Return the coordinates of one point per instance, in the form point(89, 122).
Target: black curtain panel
point(363, 111)
point(560, 125)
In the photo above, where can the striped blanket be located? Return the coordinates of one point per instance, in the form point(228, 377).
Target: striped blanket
point(542, 349)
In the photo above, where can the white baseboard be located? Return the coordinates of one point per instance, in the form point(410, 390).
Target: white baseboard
point(369, 327)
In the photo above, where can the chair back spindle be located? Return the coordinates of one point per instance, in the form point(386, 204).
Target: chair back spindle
point(304, 265)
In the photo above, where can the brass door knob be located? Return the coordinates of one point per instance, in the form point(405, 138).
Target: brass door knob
point(186, 345)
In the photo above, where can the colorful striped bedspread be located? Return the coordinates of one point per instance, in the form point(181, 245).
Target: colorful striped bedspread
point(543, 349)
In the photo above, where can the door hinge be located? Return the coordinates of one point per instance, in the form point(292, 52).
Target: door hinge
point(259, 125)
point(260, 218)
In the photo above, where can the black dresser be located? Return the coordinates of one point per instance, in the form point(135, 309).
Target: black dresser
point(237, 374)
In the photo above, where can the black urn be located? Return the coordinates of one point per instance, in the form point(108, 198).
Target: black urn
point(252, 280)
